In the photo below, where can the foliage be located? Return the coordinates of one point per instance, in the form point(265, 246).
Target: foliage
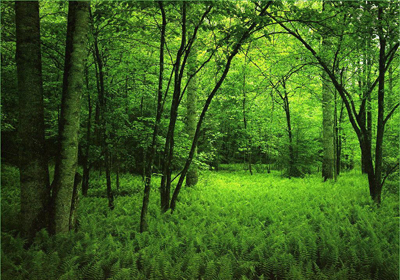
point(231, 226)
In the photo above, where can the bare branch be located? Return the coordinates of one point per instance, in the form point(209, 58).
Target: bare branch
point(390, 113)
point(391, 170)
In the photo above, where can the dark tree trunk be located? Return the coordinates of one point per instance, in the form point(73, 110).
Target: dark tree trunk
point(380, 127)
point(390, 101)
point(103, 121)
point(86, 169)
point(73, 219)
point(191, 103)
point(117, 180)
point(110, 195)
point(328, 161)
point(189, 159)
point(34, 175)
point(356, 119)
point(338, 138)
point(286, 107)
point(152, 148)
point(170, 140)
point(73, 85)
point(248, 137)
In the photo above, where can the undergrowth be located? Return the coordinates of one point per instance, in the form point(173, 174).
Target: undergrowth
point(230, 226)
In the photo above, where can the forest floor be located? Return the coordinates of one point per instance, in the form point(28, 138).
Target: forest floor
point(230, 226)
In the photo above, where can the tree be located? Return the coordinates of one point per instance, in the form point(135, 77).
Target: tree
point(248, 139)
point(180, 63)
point(191, 101)
point(328, 140)
point(73, 85)
point(387, 39)
point(241, 39)
point(34, 176)
point(101, 113)
point(328, 136)
point(152, 149)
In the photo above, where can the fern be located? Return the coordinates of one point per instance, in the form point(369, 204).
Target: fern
point(231, 226)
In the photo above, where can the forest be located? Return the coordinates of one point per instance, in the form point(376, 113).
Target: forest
point(200, 139)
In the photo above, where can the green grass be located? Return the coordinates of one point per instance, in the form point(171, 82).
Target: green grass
point(231, 226)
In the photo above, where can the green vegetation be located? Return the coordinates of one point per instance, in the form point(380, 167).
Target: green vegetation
point(230, 226)
point(200, 139)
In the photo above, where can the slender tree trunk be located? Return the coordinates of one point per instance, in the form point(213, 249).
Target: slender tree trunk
point(34, 175)
point(73, 219)
point(110, 195)
point(86, 169)
point(75, 56)
point(374, 175)
point(248, 137)
point(390, 90)
point(102, 106)
point(366, 114)
point(191, 102)
point(152, 148)
point(335, 136)
point(328, 161)
point(380, 127)
point(170, 140)
point(117, 180)
point(339, 140)
point(189, 159)
point(286, 106)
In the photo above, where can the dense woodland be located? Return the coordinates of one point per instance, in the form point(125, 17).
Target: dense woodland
point(200, 139)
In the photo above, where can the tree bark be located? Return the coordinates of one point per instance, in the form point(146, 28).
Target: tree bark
point(338, 138)
point(248, 138)
point(385, 59)
point(191, 102)
point(73, 85)
point(152, 148)
point(34, 175)
point(380, 127)
point(165, 189)
point(73, 219)
point(210, 97)
point(86, 169)
point(286, 107)
point(328, 161)
point(102, 132)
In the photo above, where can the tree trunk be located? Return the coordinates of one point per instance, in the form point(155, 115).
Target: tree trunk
point(338, 138)
point(34, 175)
point(189, 159)
point(117, 180)
point(191, 102)
point(248, 137)
point(73, 219)
point(102, 133)
point(75, 56)
point(170, 140)
point(390, 101)
point(328, 132)
point(86, 169)
point(328, 161)
point(291, 168)
point(152, 148)
point(110, 195)
point(359, 126)
point(380, 127)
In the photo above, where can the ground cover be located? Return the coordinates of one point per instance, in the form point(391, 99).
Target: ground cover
point(230, 226)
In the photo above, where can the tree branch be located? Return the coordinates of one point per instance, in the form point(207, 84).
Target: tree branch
point(390, 113)
point(391, 170)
